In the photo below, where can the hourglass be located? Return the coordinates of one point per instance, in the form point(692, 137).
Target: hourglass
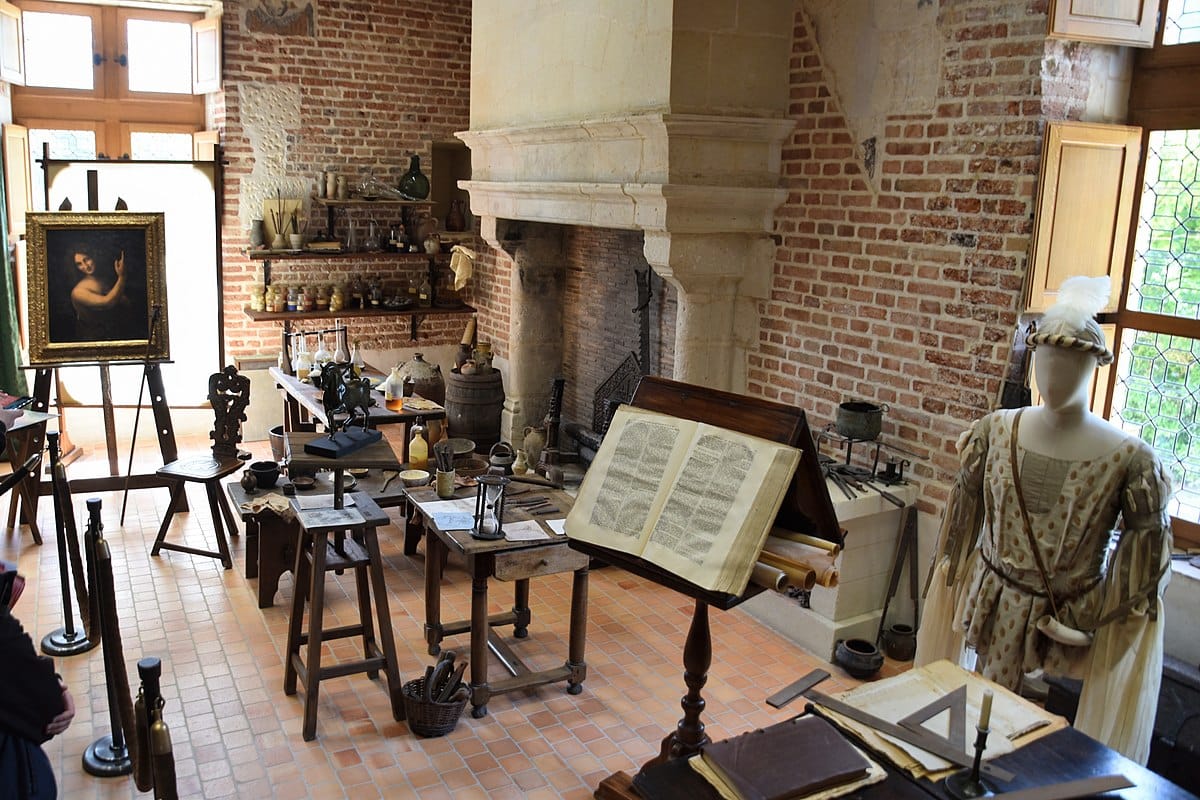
point(489, 507)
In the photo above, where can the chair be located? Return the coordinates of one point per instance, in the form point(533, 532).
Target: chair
point(229, 394)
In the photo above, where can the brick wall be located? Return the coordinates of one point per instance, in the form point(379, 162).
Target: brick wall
point(906, 293)
point(377, 81)
point(601, 327)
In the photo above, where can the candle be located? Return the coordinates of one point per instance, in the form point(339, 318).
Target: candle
point(985, 714)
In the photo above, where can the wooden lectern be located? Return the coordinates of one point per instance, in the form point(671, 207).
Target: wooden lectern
point(806, 508)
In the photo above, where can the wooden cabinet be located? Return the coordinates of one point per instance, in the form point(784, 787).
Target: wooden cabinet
point(1125, 22)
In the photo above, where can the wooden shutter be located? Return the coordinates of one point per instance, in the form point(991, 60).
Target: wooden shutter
point(1085, 207)
point(206, 55)
point(204, 145)
point(1127, 22)
point(12, 45)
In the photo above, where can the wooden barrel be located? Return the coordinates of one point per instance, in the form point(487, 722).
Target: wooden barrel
point(473, 406)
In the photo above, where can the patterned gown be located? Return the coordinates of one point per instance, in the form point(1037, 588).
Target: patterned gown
point(987, 592)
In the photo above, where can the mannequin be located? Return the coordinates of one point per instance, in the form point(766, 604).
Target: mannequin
point(1024, 574)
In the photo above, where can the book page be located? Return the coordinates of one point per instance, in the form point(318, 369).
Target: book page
point(625, 485)
point(720, 508)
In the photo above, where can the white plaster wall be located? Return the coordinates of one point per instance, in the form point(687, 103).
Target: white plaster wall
point(269, 112)
point(551, 60)
point(1110, 73)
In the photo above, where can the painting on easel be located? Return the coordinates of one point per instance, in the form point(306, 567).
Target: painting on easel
point(97, 287)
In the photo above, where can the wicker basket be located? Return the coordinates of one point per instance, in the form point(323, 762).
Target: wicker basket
point(429, 718)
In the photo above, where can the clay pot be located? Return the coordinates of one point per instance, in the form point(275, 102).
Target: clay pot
point(534, 442)
point(249, 482)
point(858, 657)
point(426, 378)
point(900, 642)
point(265, 473)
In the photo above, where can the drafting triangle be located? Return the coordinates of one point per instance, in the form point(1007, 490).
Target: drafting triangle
point(956, 703)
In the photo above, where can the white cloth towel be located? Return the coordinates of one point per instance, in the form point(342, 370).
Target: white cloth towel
point(462, 264)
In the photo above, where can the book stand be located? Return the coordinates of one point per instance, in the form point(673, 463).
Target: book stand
point(806, 508)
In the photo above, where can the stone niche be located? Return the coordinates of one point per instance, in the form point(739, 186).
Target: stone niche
point(623, 115)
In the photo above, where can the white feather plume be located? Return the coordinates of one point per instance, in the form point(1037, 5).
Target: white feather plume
point(1079, 298)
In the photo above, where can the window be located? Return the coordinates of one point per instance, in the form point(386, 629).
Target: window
point(1155, 382)
point(131, 71)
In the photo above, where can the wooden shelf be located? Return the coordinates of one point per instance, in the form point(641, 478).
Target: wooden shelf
point(312, 255)
point(362, 201)
point(414, 313)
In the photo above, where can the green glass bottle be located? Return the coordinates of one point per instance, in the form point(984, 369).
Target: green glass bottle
point(414, 184)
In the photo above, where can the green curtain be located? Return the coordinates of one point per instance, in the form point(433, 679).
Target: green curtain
point(12, 378)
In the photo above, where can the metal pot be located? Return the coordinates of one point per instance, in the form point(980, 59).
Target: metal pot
point(857, 419)
point(859, 657)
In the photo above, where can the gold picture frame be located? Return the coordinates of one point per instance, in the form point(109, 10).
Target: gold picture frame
point(97, 287)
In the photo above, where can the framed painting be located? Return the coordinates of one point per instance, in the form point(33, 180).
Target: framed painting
point(97, 287)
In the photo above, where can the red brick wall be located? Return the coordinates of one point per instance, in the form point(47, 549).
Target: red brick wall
point(906, 293)
point(376, 81)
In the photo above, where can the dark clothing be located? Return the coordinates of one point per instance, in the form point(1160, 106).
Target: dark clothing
point(30, 697)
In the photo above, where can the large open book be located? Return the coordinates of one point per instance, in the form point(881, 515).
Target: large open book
point(694, 499)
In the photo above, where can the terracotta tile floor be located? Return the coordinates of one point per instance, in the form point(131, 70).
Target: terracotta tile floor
point(236, 734)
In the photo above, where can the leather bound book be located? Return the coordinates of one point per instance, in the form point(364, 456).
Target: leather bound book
point(788, 760)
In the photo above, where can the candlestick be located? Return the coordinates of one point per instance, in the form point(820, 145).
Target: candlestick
point(985, 714)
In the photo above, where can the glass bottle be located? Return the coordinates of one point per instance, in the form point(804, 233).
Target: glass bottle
point(323, 298)
point(413, 184)
point(337, 298)
point(392, 387)
point(356, 358)
point(341, 354)
point(376, 294)
point(418, 447)
point(322, 356)
point(356, 293)
point(300, 358)
point(425, 293)
point(293, 299)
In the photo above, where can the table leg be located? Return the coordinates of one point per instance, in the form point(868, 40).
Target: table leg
point(578, 634)
point(434, 562)
point(21, 444)
point(480, 691)
point(521, 608)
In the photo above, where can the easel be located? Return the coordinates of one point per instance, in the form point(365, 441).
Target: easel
point(803, 509)
point(46, 375)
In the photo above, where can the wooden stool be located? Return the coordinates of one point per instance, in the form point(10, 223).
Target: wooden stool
point(316, 555)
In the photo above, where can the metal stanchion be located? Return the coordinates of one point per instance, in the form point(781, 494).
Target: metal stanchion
point(108, 756)
point(64, 641)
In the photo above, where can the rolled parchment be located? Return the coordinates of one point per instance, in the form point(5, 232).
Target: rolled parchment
point(798, 575)
point(811, 541)
point(768, 577)
point(819, 561)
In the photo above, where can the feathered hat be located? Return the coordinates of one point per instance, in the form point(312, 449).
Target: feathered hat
point(1071, 322)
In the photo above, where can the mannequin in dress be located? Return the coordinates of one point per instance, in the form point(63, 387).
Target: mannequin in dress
point(1025, 574)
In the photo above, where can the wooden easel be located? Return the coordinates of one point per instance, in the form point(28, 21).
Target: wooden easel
point(806, 508)
point(114, 481)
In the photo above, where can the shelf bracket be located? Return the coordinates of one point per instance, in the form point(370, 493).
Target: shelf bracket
point(414, 322)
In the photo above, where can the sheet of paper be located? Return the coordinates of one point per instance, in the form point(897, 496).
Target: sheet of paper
point(466, 504)
point(526, 531)
point(307, 501)
point(327, 517)
point(453, 520)
point(559, 526)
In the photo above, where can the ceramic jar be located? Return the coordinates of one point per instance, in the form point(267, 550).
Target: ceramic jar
point(858, 657)
point(426, 378)
point(534, 441)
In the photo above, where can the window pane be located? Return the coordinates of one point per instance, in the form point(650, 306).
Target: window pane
point(160, 56)
point(1155, 397)
point(58, 50)
point(1165, 278)
point(147, 145)
point(63, 144)
point(1182, 25)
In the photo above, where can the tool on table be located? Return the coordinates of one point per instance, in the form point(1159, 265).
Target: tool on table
point(793, 690)
point(443, 454)
point(891, 498)
point(927, 741)
point(390, 477)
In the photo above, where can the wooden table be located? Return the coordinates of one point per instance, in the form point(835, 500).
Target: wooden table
point(302, 401)
point(26, 437)
point(1065, 755)
point(506, 561)
point(271, 539)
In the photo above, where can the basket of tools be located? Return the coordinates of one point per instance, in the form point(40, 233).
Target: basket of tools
point(434, 703)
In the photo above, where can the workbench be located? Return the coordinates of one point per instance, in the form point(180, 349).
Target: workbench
point(505, 561)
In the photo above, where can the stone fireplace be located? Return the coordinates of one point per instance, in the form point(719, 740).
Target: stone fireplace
point(639, 139)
